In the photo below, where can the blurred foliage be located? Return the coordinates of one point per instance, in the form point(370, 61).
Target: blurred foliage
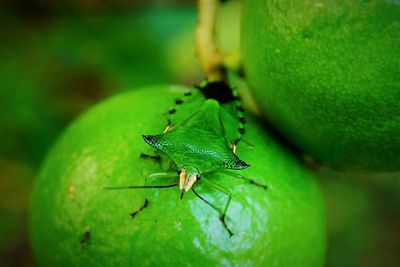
point(15, 187)
point(363, 218)
point(53, 71)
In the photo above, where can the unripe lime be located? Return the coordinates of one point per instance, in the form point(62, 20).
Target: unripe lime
point(76, 222)
point(327, 74)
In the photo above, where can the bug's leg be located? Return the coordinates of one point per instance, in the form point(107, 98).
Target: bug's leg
point(145, 186)
point(158, 175)
point(145, 205)
point(164, 163)
point(250, 181)
point(146, 200)
point(156, 157)
point(147, 156)
point(222, 213)
point(85, 239)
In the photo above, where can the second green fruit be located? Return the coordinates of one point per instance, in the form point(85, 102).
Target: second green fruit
point(327, 74)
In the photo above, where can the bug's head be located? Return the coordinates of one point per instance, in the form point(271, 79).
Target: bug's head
point(187, 177)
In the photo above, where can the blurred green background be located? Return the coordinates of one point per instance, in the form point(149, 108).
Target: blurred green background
point(57, 58)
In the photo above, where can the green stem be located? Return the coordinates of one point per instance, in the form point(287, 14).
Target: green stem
point(210, 57)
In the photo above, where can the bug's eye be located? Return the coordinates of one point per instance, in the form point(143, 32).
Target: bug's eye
point(179, 171)
point(198, 177)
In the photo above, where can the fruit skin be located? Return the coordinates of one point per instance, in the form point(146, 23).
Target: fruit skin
point(281, 226)
point(327, 74)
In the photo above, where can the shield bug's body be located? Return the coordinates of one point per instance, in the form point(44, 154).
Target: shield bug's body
point(203, 130)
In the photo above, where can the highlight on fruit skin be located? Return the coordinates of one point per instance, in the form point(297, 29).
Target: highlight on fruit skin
point(75, 222)
point(326, 74)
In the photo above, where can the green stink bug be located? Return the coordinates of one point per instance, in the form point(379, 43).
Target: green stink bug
point(203, 130)
point(201, 136)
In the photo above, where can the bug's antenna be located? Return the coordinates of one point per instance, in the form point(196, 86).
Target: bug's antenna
point(140, 186)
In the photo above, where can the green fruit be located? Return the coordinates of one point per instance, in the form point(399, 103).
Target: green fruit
point(75, 222)
point(327, 74)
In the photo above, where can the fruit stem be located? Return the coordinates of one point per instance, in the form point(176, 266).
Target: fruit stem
point(210, 57)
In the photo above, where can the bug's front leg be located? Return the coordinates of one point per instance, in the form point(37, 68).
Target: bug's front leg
point(145, 205)
point(147, 156)
point(159, 175)
point(145, 186)
point(222, 213)
point(155, 157)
